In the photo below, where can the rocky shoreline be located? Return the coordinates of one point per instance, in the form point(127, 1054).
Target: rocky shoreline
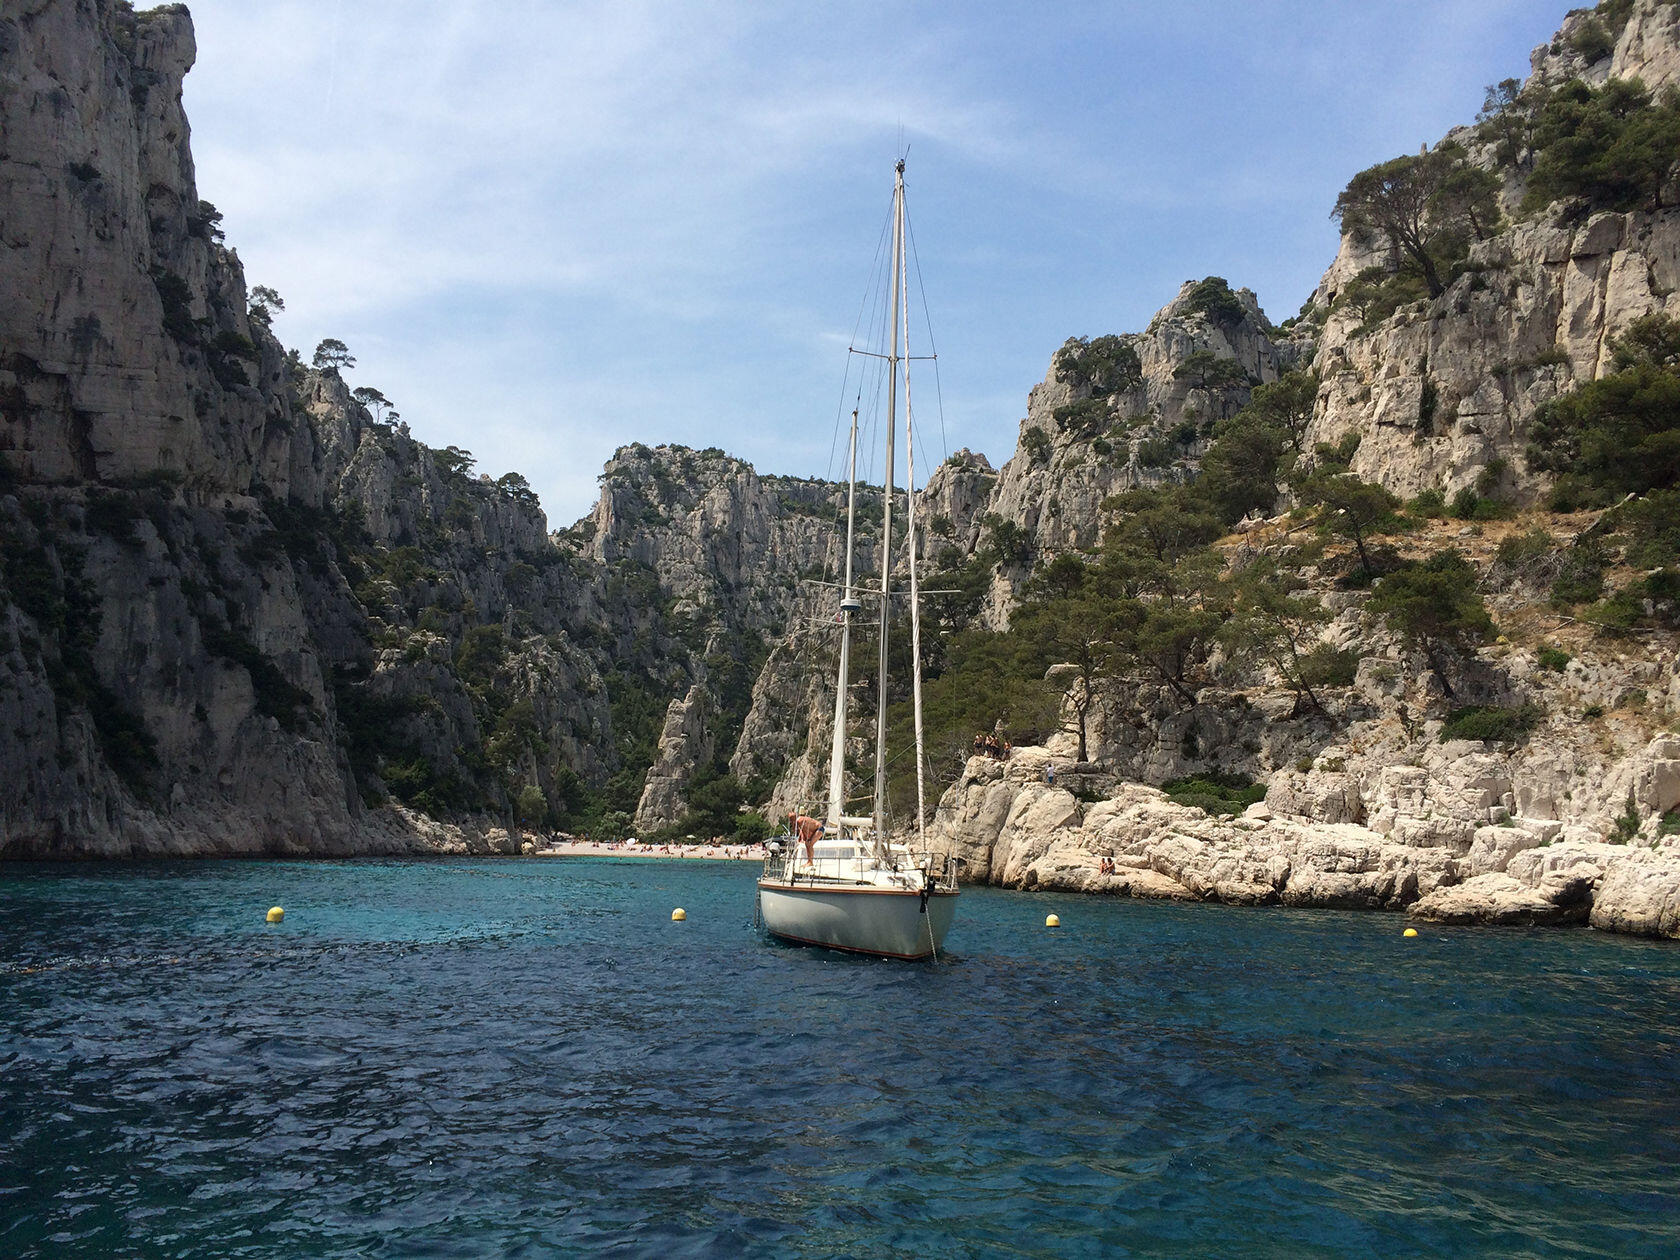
point(1012, 828)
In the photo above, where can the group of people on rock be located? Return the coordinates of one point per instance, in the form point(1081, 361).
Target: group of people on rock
point(1106, 866)
point(994, 746)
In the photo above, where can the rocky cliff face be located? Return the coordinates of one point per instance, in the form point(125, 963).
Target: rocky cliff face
point(1077, 446)
point(1441, 389)
point(239, 614)
point(1365, 804)
point(233, 604)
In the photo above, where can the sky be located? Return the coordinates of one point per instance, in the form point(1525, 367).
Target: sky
point(548, 229)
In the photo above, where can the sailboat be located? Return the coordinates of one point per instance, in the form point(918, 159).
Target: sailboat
point(845, 881)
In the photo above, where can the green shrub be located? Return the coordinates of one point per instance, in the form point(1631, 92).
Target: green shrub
point(1593, 711)
point(1156, 452)
point(1483, 501)
point(176, 297)
point(230, 342)
point(1613, 145)
point(1651, 527)
point(1429, 400)
point(1035, 444)
point(1081, 418)
point(1670, 824)
point(115, 514)
point(123, 738)
point(1581, 578)
point(1619, 613)
point(415, 781)
point(1213, 298)
point(1429, 505)
point(1554, 356)
point(1006, 541)
point(752, 828)
point(1519, 552)
point(1327, 666)
point(1592, 41)
point(229, 372)
point(1554, 659)
point(1376, 294)
point(483, 652)
point(1626, 826)
point(1492, 723)
point(531, 806)
point(1216, 792)
point(1108, 364)
point(1662, 588)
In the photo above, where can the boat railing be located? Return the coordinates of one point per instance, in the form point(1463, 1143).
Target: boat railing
point(784, 864)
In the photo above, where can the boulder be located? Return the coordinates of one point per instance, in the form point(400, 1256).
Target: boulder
point(1640, 893)
point(1496, 898)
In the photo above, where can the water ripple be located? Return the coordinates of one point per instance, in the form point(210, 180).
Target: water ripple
point(529, 1059)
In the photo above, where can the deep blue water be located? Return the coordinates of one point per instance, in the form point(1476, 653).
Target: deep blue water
point(527, 1058)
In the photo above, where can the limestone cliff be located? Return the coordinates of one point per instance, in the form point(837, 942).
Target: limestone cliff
point(241, 614)
point(1443, 388)
point(235, 608)
point(1369, 801)
point(1081, 443)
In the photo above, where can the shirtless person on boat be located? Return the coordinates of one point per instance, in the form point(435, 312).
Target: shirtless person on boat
point(808, 830)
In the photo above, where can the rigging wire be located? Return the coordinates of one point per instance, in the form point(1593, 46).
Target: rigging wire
point(927, 320)
point(872, 298)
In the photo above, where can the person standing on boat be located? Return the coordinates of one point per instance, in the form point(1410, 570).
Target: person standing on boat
point(806, 829)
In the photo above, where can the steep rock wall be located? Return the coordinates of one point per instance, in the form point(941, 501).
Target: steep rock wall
point(189, 516)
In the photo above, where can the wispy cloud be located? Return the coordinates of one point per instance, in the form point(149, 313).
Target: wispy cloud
point(550, 228)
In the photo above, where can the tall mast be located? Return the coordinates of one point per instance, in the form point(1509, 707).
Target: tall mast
point(848, 605)
point(886, 517)
point(915, 586)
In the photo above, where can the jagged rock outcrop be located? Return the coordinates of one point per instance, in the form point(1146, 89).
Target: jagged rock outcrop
point(237, 614)
point(952, 504)
point(1440, 391)
point(1063, 468)
point(106, 249)
point(1011, 827)
point(1494, 898)
point(685, 744)
point(231, 602)
point(1443, 389)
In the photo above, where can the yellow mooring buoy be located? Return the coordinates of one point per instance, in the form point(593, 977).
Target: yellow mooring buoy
point(275, 914)
point(1409, 932)
point(678, 915)
point(1052, 920)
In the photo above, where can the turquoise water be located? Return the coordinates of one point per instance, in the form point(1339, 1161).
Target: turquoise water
point(527, 1058)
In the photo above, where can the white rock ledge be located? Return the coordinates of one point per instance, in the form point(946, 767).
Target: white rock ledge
point(1012, 828)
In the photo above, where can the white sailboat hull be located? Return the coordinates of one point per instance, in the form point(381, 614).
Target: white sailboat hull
point(889, 923)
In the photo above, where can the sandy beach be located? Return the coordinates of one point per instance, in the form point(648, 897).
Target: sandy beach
point(703, 852)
